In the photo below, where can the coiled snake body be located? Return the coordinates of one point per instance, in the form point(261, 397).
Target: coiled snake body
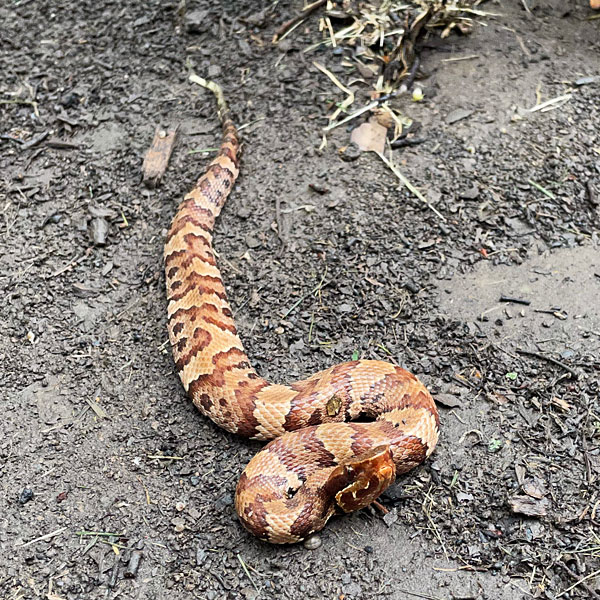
point(319, 458)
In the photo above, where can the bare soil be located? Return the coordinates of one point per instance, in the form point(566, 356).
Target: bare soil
point(101, 456)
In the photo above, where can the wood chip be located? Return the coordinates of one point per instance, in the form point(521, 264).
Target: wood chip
point(158, 155)
point(530, 507)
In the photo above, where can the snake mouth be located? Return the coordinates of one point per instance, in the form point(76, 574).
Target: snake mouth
point(368, 475)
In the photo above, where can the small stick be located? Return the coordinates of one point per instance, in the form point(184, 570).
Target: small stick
point(459, 58)
point(99, 533)
point(417, 595)
point(279, 222)
point(542, 189)
point(164, 457)
point(317, 288)
point(558, 363)
point(403, 142)
point(61, 144)
point(585, 586)
point(355, 114)
point(241, 561)
point(350, 94)
point(307, 10)
point(580, 582)
point(134, 561)
point(42, 538)
point(401, 90)
point(34, 141)
point(409, 185)
point(380, 506)
point(514, 300)
point(551, 102)
point(69, 265)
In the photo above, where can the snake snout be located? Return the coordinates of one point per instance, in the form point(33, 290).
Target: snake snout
point(369, 475)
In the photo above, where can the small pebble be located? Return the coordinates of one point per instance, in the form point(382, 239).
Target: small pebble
point(313, 542)
point(25, 496)
point(351, 153)
point(99, 231)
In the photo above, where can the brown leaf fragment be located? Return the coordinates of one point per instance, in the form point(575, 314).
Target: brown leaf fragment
point(367, 71)
point(499, 398)
point(158, 155)
point(370, 136)
point(447, 400)
point(534, 488)
point(530, 507)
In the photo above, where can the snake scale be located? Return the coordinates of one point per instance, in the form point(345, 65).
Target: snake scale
point(339, 437)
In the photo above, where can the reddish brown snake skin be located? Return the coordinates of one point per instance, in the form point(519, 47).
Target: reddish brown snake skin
point(318, 459)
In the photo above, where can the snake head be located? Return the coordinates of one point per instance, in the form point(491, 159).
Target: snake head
point(364, 478)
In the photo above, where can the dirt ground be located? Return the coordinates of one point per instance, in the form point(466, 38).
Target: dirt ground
point(102, 459)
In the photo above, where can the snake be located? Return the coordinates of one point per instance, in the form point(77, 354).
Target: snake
point(338, 438)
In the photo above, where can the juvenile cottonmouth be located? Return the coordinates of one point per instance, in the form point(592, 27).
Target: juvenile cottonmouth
point(319, 458)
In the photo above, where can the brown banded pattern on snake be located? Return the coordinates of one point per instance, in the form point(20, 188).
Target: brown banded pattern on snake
point(319, 459)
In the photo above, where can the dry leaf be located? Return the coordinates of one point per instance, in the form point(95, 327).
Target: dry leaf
point(370, 136)
point(498, 397)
